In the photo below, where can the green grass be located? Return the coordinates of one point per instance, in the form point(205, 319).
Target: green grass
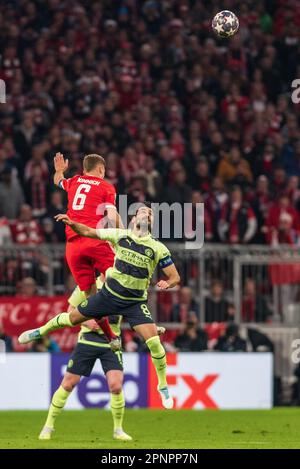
point(277, 428)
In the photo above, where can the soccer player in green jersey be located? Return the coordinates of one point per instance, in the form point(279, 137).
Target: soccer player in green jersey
point(92, 345)
point(125, 290)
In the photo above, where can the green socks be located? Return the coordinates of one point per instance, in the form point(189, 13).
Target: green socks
point(58, 402)
point(117, 407)
point(159, 360)
point(59, 321)
point(59, 399)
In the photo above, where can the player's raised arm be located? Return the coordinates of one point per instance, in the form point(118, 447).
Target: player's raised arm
point(79, 228)
point(113, 217)
point(60, 166)
point(169, 269)
point(173, 278)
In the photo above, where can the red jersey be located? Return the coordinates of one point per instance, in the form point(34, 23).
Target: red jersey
point(88, 197)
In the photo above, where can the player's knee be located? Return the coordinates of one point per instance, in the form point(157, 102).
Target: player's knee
point(115, 386)
point(75, 317)
point(69, 382)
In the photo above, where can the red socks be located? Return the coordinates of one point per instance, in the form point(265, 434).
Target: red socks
point(105, 326)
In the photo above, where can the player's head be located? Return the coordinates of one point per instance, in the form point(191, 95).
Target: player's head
point(94, 165)
point(144, 217)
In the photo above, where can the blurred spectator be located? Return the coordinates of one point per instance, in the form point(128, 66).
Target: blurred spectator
point(261, 206)
point(10, 274)
point(216, 203)
point(26, 230)
point(37, 160)
point(216, 306)
point(283, 222)
point(231, 340)
point(279, 181)
point(56, 206)
point(201, 177)
point(26, 134)
point(44, 345)
point(48, 226)
point(254, 306)
point(259, 341)
point(233, 168)
point(187, 308)
point(178, 190)
point(238, 223)
point(11, 195)
point(197, 219)
point(5, 233)
point(6, 339)
point(113, 172)
point(152, 178)
point(192, 339)
point(293, 191)
point(36, 191)
point(137, 190)
point(284, 233)
point(27, 288)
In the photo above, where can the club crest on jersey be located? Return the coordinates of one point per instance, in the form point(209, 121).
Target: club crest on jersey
point(84, 303)
point(149, 253)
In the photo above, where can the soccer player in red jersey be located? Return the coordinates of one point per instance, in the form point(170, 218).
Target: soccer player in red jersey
point(89, 197)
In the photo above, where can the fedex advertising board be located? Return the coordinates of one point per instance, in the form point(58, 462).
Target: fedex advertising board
point(196, 380)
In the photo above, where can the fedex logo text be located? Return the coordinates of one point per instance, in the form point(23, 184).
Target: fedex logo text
point(199, 390)
point(187, 390)
point(216, 381)
point(196, 381)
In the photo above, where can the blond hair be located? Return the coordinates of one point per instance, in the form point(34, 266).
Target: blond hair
point(91, 161)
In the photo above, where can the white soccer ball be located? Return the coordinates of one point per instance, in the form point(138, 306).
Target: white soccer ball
point(225, 23)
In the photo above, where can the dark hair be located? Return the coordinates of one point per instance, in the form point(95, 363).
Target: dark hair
point(143, 204)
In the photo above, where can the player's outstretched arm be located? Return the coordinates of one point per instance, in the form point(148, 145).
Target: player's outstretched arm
point(173, 278)
point(79, 228)
point(60, 166)
point(114, 218)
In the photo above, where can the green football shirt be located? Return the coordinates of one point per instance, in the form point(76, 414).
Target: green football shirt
point(135, 261)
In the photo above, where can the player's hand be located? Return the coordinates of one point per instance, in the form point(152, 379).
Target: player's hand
point(60, 164)
point(91, 324)
point(64, 218)
point(162, 285)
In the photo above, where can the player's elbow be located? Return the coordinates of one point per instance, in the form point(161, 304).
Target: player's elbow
point(87, 233)
point(90, 233)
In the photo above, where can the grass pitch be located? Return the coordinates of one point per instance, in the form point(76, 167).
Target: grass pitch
point(277, 428)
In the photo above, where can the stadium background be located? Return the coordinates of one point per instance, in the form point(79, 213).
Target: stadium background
point(180, 116)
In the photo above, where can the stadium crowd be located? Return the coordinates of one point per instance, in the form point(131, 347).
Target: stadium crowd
point(178, 114)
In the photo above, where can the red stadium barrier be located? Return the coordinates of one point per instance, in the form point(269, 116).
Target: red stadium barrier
point(18, 314)
point(283, 274)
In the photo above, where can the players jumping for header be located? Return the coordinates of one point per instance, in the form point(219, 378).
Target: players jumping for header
point(89, 198)
point(125, 289)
